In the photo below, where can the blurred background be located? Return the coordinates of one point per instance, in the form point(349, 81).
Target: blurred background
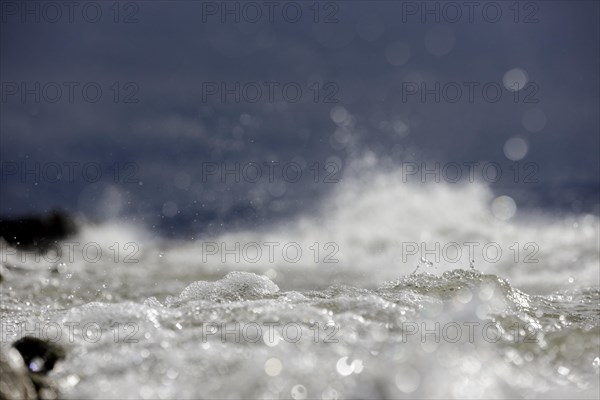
point(138, 110)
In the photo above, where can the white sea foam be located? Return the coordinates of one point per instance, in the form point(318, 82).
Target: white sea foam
point(375, 227)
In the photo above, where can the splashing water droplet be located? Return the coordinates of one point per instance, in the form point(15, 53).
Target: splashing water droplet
point(299, 392)
point(343, 368)
point(564, 371)
point(423, 263)
point(273, 367)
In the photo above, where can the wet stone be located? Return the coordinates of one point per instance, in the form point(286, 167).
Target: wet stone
point(24, 367)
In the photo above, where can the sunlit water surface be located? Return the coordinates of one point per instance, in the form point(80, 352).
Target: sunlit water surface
point(377, 323)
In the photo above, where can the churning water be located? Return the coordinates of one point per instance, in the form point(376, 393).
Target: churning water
point(387, 290)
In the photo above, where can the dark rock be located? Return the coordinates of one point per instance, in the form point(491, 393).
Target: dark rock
point(37, 232)
point(24, 366)
point(39, 355)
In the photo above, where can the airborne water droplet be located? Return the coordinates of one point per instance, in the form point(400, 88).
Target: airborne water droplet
point(564, 371)
point(298, 392)
point(596, 364)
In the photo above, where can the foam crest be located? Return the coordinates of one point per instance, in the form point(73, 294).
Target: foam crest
point(235, 286)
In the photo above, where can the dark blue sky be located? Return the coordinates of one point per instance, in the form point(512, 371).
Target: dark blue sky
point(345, 78)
